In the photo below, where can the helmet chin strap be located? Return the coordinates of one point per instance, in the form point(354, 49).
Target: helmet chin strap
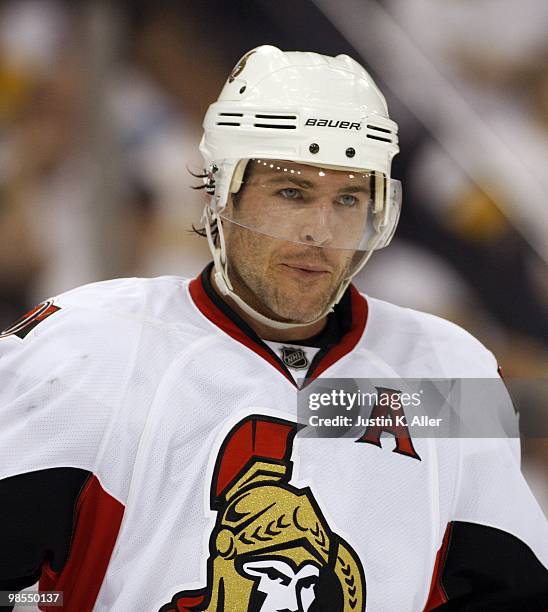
point(222, 281)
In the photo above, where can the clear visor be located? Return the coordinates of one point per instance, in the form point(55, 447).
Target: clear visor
point(351, 210)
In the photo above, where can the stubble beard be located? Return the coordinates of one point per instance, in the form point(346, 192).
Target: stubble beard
point(277, 300)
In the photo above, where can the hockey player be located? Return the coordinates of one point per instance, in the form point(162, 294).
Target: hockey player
point(150, 441)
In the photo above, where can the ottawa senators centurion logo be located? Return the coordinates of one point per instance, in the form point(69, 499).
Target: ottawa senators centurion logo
point(271, 548)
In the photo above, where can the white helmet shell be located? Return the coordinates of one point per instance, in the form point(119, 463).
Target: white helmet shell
point(298, 106)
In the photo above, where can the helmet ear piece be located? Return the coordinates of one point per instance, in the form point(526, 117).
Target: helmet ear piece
point(380, 192)
point(238, 176)
point(386, 221)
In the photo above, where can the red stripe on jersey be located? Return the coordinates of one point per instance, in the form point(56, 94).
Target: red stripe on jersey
point(351, 338)
point(97, 522)
point(217, 317)
point(437, 595)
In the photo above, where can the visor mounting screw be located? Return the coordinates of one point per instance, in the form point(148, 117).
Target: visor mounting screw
point(242, 89)
point(350, 152)
point(314, 148)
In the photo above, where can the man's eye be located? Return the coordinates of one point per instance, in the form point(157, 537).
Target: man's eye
point(347, 200)
point(290, 193)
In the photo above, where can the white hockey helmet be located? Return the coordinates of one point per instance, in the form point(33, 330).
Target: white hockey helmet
point(304, 108)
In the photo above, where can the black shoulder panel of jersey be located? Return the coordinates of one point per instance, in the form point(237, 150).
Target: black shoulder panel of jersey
point(37, 511)
point(487, 569)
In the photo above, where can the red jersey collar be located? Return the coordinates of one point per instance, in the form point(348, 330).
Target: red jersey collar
point(354, 311)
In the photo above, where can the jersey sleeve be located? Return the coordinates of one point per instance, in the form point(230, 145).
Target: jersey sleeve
point(494, 554)
point(62, 377)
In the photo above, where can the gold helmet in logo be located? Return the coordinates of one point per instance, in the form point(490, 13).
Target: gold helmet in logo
point(271, 548)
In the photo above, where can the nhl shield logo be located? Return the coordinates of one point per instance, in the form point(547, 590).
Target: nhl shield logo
point(294, 358)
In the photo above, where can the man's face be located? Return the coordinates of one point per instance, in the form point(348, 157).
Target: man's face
point(294, 235)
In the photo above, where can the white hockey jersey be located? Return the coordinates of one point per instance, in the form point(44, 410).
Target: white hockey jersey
point(151, 459)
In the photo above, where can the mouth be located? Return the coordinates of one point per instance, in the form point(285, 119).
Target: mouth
point(305, 271)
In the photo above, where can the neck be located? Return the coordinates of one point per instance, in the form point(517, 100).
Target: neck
point(271, 333)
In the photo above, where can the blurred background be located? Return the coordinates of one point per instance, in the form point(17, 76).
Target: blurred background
point(100, 117)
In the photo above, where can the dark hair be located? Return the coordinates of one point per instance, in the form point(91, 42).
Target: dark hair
point(210, 185)
point(201, 231)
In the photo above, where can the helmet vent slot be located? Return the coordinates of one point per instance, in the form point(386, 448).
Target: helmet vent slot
point(275, 116)
point(379, 138)
point(379, 129)
point(273, 121)
point(276, 126)
point(229, 123)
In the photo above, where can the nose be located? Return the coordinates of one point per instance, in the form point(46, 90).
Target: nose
point(316, 227)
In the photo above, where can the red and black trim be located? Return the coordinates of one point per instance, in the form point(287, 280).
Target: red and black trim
point(345, 327)
point(484, 569)
point(97, 523)
point(219, 313)
point(60, 526)
point(30, 320)
point(353, 308)
point(437, 595)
